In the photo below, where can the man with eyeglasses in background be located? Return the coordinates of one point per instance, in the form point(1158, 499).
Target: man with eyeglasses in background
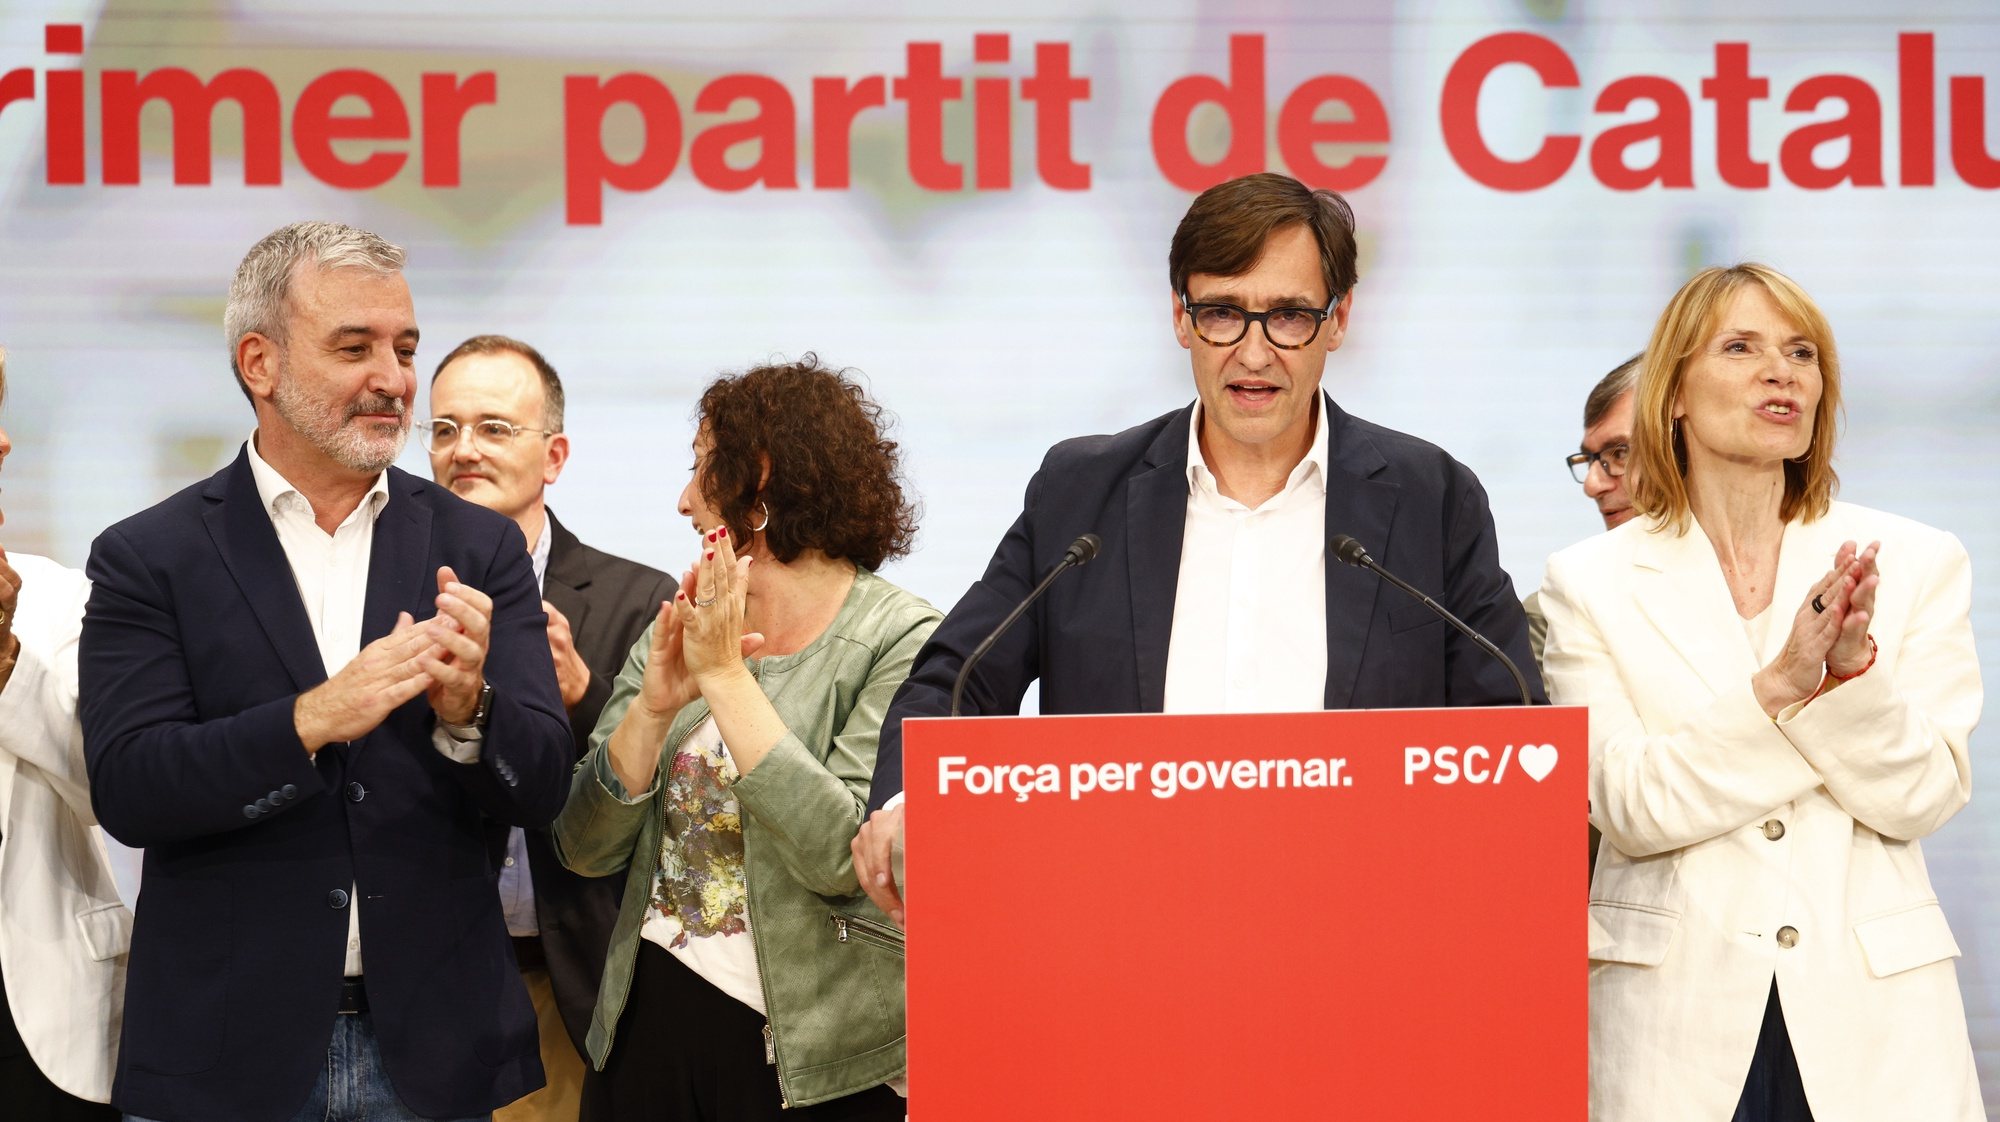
point(496, 438)
point(1214, 591)
point(1599, 464)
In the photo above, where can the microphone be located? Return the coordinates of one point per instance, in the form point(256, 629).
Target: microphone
point(1079, 552)
point(1351, 552)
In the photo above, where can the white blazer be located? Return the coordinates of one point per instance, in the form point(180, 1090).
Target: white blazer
point(63, 930)
point(1739, 849)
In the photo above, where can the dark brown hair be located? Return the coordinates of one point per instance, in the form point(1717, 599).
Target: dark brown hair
point(835, 482)
point(552, 391)
point(1610, 388)
point(1224, 231)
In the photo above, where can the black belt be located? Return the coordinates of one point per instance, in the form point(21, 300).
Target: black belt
point(353, 996)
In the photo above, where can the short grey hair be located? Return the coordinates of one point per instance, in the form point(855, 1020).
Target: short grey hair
point(1610, 388)
point(263, 281)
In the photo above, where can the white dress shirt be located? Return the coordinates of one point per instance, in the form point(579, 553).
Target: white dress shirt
point(1249, 631)
point(331, 572)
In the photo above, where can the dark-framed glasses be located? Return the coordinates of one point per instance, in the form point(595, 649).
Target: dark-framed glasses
point(1224, 325)
point(490, 435)
point(1612, 459)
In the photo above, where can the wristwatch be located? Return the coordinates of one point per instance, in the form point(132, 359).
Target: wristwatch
point(477, 724)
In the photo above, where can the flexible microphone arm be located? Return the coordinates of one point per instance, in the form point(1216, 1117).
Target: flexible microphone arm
point(1351, 552)
point(1079, 552)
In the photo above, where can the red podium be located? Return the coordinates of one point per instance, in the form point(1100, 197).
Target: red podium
point(1356, 915)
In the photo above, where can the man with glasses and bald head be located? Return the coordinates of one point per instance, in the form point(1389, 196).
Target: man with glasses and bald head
point(496, 438)
point(1213, 592)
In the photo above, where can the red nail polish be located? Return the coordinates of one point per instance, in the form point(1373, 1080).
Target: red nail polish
point(709, 556)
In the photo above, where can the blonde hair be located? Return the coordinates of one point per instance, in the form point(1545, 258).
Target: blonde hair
point(1658, 483)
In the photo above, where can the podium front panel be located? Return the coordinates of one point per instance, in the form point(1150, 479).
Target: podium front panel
point(1355, 915)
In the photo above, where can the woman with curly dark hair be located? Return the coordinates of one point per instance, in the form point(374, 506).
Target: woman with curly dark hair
point(747, 971)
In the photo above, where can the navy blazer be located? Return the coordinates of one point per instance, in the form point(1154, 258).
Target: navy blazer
point(1098, 638)
point(195, 647)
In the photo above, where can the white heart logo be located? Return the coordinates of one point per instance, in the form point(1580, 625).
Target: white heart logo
point(1538, 760)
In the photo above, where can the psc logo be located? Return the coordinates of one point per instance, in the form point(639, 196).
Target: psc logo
point(1476, 763)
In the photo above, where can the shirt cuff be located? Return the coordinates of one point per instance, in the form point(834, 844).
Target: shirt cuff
point(458, 751)
point(895, 801)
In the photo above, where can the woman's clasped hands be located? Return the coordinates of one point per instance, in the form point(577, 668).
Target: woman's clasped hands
point(700, 635)
point(1829, 638)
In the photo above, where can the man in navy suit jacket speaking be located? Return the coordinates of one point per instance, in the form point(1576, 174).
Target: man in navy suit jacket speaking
point(1213, 591)
point(303, 681)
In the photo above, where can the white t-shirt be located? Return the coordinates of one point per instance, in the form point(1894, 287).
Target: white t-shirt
point(700, 902)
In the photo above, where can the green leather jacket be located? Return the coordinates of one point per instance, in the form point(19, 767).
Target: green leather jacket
point(832, 963)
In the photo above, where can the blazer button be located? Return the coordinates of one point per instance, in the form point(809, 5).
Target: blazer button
point(337, 899)
point(289, 790)
point(276, 797)
point(251, 811)
point(356, 792)
point(264, 805)
point(1774, 829)
point(1788, 937)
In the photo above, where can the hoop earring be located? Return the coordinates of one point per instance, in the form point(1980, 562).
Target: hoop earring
point(759, 527)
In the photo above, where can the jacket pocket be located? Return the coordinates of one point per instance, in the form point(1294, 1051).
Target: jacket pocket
point(107, 930)
point(1904, 940)
point(1407, 617)
point(850, 928)
point(1635, 935)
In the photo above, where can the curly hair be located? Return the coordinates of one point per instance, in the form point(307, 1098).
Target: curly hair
point(835, 479)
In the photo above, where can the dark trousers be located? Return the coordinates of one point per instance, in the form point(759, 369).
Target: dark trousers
point(687, 1052)
point(25, 1093)
point(1773, 1092)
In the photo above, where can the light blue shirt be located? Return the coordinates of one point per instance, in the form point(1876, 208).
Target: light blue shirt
point(517, 887)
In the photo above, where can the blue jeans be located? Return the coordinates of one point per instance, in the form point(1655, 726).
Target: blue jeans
point(353, 1087)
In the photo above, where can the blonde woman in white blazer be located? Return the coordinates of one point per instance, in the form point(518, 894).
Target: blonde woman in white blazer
point(1781, 689)
point(63, 931)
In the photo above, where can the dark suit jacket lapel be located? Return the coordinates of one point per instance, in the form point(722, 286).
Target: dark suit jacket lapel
point(1363, 508)
point(1155, 522)
point(568, 577)
point(400, 577)
point(248, 544)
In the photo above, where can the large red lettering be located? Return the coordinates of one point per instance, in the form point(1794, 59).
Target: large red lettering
point(835, 104)
point(925, 88)
point(1459, 111)
point(1916, 102)
point(192, 103)
point(1732, 88)
point(1242, 100)
point(588, 169)
point(1053, 90)
point(992, 118)
point(446, 102)
point(1672, 128)
point(1861, 128)
point(315, 128)
point(1969, 153)
point(1300, 132)
point(773, 128)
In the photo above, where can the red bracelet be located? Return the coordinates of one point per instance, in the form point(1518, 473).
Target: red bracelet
point(1873, 650)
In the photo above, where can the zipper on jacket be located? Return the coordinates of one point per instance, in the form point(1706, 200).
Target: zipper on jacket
point(756, 937)
point(849, 928)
